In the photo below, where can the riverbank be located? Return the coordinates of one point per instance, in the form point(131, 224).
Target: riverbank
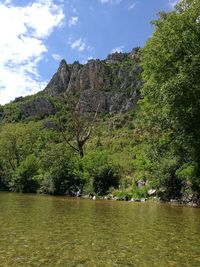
point(180, 202)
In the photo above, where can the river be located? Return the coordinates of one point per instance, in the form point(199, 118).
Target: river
point(38, 230)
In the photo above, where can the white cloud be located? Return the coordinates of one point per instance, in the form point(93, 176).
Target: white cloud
point(56, 57)
point(7, 1)
point(117, 49)
point(112, 2)
point(117, 2)
point(79, 44)
point(23, 32)
point(173, 3)
point(132, 6)
point(73, 21)
point(90, 58)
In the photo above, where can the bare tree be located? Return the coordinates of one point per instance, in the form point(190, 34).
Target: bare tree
point(78, 129)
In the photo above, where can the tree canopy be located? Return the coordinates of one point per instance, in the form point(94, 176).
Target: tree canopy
point(170, 106)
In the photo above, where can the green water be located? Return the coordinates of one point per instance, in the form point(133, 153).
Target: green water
point(56, 231)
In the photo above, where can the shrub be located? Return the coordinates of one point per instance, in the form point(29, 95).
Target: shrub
point(23, 177)
point(104, 178)
point(63, 174)
point(101, 173)
point(140, 192)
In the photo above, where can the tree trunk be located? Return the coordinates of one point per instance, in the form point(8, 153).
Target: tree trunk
point(80, 148)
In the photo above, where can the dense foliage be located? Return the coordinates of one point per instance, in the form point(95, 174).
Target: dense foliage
point(35, 159)
point(169, 117)
point(157, 144)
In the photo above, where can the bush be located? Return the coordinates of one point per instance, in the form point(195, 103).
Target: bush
point(140, 192)
point(101, 173)
point(63, 174)
point(104, 178)
point(169, 183)
point(23, 177)
point(122, 194)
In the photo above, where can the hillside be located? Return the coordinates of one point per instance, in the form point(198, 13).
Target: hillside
point(114, 83)
point(127, 126)
point(32, 128)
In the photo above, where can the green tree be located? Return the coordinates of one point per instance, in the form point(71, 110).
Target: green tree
point(23, 179)
point(62, 173)
point(102, 174)
point(169, 116)
point(17, 142)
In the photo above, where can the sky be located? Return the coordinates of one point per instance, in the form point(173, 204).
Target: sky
point(36, 35)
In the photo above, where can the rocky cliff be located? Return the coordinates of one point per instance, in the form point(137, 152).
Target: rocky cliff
point(114, 83)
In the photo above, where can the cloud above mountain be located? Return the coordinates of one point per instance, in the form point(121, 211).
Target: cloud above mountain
point(24, 31)
point(113, 2)
point(73, 21)
point(37, 34)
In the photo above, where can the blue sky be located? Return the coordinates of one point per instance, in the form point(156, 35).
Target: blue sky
point(36, 35)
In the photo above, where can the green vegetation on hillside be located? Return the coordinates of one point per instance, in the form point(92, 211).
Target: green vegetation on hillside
point(157, 143)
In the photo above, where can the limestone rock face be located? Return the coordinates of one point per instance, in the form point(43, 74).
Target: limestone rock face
point(113, 83)
point(116, 57)
point(60, 80)
point(94, 75)
point(39, 108)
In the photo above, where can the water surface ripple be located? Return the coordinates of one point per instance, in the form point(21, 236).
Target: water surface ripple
point(58, 231)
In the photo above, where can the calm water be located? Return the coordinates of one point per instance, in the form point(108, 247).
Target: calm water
point(56, 231)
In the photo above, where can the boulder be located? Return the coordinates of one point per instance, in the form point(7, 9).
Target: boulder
point(151, 192)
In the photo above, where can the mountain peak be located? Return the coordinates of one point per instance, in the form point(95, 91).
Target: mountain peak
point(63, 63)
point(60, 79)
point(114, 81)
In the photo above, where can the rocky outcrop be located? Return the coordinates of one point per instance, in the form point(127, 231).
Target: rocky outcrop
point(60, 80)
point(113, 83)
point(39, 108)
point(116, 58)
point(109, 103)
